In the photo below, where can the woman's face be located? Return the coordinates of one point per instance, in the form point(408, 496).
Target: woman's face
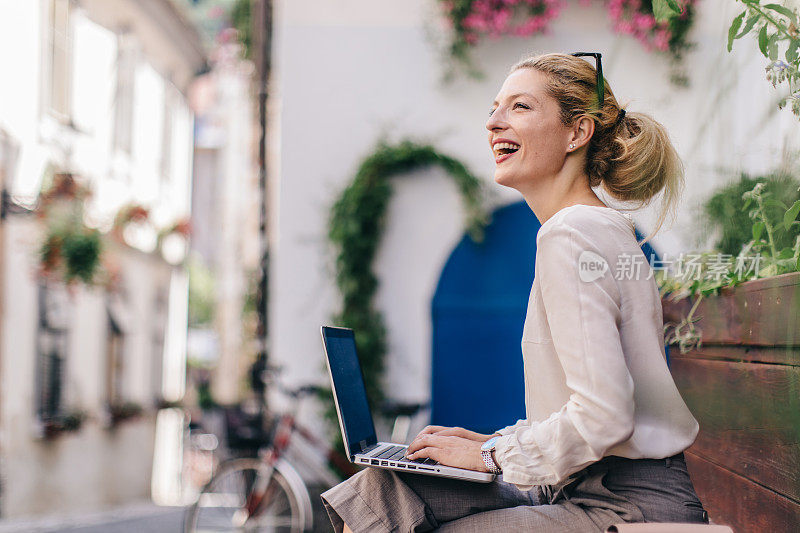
point(524, 115)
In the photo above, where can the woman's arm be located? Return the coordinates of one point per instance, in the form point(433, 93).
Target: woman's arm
point(583, 317)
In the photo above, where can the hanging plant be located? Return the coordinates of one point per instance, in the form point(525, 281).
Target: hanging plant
point(71, 420)
point(638, 19)
point(181, 227)
point(118, 412)
point(70, 251)
point(173, 241)
point(777, 27)
point(356, 226)
point(470, 20)
point(132, 213)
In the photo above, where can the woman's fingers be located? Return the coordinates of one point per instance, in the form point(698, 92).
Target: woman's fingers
point(449, 451)
point(419, 442)
point(428, 430)
point(451, 431)
point(430, 452)
point(464, 434)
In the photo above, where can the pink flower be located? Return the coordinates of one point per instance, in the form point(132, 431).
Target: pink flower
point(661, 40)
point(501, 19)
point(474, 22)
point(643, 21)
point(625, 26)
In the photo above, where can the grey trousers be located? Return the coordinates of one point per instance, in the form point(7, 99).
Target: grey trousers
point(611, 491)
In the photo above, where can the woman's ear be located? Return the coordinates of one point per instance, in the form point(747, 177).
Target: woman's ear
point(582, 131)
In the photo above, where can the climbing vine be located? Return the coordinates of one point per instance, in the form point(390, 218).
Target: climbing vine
point(356, 225)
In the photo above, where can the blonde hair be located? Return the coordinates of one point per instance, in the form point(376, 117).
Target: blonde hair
point(633, 160)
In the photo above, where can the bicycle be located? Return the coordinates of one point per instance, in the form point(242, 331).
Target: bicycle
point(263, 493)
point(266, 493)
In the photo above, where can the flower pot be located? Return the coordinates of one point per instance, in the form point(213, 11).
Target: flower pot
point(743, 386)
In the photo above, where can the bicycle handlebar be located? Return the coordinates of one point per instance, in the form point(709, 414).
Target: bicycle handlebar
point(301, 392)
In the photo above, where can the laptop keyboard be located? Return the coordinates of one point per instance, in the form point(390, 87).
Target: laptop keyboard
point(397, 453)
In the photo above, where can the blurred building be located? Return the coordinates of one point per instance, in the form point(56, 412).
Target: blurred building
point(97, 89)
point(225, 205)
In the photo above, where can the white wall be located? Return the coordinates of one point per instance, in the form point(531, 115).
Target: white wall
point(348, 71)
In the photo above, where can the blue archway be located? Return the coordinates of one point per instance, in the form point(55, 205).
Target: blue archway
point(478, 311)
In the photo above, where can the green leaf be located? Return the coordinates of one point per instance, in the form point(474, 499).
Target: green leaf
point(772, 202)
point(748, 26)
point(758, 228)
point(791, 215)
point(772, 46)
point(762, 40)
point(737, 22)
point(664, 10)
point(785, 11)
point(791, 52)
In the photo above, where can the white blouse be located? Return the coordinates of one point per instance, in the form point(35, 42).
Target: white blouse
point(596, 377)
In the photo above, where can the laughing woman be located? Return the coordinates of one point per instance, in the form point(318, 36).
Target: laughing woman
point(605, 427)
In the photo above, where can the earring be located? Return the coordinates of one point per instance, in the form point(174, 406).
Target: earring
point(571, 146)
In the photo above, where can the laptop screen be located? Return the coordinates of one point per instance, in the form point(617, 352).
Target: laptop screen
point(348, 384)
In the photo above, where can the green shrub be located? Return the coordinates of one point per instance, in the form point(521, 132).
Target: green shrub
point(724, 211)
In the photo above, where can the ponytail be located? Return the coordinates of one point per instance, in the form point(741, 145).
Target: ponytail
point(632, 158)
point(639, 162)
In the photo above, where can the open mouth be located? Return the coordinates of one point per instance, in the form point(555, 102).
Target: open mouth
point(503, 151)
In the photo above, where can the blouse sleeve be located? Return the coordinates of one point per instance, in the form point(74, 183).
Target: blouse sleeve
point(510, 429)
point(583, 317)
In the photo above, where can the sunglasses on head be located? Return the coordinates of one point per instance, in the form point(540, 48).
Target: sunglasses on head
point(599, 69)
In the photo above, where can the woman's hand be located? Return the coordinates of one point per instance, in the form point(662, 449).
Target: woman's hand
point(454, 432)
point(457, 447)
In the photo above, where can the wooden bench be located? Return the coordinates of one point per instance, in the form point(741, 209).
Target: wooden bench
point(743, 386)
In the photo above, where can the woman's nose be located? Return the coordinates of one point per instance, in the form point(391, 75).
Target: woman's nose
point(496, 120)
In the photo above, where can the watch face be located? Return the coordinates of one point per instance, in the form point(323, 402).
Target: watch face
point(489, 444)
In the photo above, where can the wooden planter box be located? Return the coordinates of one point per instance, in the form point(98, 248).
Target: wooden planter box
point(743, 386)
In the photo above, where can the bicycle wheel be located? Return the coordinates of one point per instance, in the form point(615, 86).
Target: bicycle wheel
point(221, 504)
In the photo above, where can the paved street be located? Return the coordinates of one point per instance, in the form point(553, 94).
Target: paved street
point(142, 517)
point(134, 518)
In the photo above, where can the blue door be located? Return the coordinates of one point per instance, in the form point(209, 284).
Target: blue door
point(478, 311)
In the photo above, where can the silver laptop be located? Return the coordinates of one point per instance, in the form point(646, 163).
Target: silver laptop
point(355, 418)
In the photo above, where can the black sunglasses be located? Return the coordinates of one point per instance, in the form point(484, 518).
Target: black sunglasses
point(599, 68)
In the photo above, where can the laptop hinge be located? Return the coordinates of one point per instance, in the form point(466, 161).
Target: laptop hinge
point(365, 449)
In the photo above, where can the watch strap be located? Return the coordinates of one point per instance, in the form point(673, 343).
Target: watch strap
point(489, 461)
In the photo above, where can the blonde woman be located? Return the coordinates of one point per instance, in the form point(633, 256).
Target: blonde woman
point(606, 427)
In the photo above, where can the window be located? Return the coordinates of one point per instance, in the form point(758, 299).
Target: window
point(116, 310)
point(114, 353)
point(123, 94)
point(52, 339)
point(60, 45)
point(9, 151)
point(158, 331)
point(170, 101)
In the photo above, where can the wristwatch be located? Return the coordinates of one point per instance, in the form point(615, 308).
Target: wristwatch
point(486, 453)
